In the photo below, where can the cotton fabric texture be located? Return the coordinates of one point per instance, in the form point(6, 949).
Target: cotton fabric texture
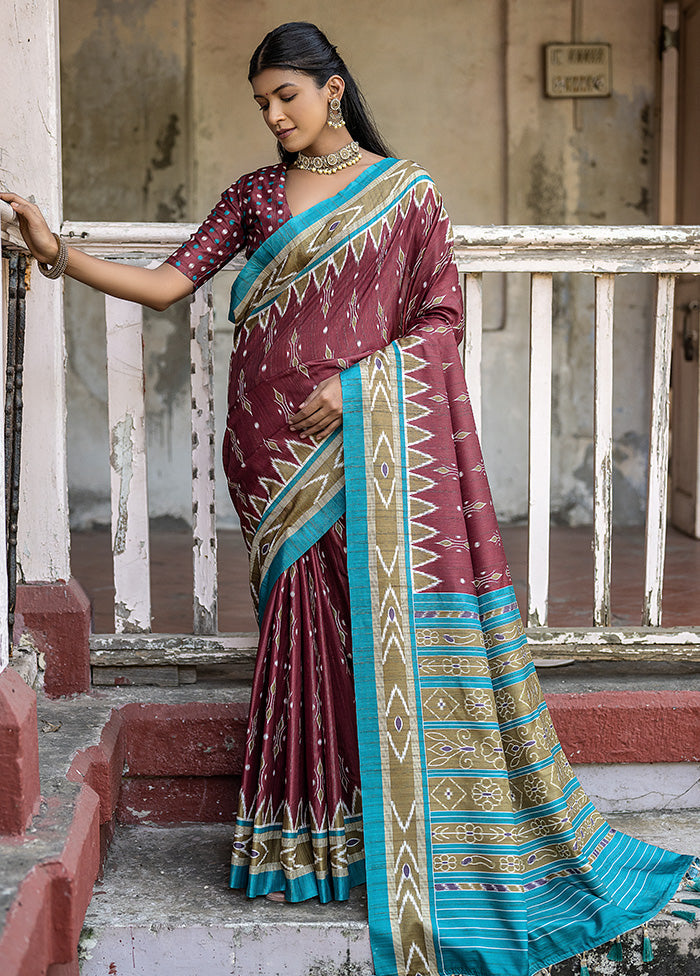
point(376, 564)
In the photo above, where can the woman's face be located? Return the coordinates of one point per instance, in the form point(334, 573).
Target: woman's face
point(294, 108)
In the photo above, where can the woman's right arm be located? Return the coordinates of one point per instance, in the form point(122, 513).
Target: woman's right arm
point(155, 287)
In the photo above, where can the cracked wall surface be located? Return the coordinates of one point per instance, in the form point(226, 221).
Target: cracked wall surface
point(158, 120)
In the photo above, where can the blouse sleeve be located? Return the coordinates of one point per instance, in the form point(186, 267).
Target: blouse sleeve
point(215, 242)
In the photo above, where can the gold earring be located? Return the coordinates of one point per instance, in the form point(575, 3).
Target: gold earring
point(335, 115)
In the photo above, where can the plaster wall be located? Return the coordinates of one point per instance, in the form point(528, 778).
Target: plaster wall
point(158, 119)
point(30, 164)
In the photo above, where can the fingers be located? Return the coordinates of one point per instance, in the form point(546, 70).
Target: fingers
point(20, 205)
point(320, 430)
point(316, 422)
point(321, 412)
point(327, 396)
point(304, 413)
point(24, 208)
point(33, 227)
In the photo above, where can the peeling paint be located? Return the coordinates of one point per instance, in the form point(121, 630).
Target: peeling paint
point(122, 461)
point(123, 614)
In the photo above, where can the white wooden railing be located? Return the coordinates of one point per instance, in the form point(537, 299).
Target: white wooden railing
point(603, 252)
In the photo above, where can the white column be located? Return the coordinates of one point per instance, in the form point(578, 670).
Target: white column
point(30, 145)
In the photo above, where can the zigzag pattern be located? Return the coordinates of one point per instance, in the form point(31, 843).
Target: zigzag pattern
point(310, 484)
point(408, 883)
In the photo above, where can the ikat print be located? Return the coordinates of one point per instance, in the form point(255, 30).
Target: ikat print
point(514, 868)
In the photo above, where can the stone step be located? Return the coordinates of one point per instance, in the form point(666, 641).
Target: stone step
point(164, 907)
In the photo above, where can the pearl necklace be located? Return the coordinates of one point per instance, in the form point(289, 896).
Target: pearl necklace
point(346, 156)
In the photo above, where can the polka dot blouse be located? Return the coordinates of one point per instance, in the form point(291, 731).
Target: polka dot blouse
point(249, 211)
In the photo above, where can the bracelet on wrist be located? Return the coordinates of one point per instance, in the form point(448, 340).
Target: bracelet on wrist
point(60, 264)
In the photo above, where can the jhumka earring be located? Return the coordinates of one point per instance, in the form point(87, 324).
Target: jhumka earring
point(335, 116)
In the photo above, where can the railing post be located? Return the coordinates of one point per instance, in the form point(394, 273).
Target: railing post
point(129, 485)
point(473, 328)
point(657, 481)
point(540, 449)
point(203, 463)
point(602, 448)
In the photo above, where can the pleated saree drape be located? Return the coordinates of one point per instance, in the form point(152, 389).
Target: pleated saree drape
point(388, 619)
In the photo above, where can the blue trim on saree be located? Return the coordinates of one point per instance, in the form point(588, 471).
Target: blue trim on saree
point(363, 655)
point(300, 542)
point(289, 231)
point(326, 889)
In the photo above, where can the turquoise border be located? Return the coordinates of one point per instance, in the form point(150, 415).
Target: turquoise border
point(418, 699)
point(297, 544)
point(363, 670)
point(286, 233)
point(310, 885)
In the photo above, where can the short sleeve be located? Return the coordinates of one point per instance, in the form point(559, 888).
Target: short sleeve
point(216, 240)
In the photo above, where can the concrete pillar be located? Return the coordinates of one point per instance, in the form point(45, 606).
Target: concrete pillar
point(58, 616)
point(19, 754)
point(30, 149)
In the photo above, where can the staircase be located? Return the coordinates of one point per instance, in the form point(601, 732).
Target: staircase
point(164, 907)
point(148, 777)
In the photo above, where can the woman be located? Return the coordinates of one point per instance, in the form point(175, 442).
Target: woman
point(484, 853)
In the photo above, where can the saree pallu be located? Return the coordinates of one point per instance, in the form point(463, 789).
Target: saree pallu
point(484, 855)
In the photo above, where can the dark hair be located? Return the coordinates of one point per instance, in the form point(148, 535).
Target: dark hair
point(301, 46)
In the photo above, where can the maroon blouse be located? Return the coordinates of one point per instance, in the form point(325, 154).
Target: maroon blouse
point(249, 211)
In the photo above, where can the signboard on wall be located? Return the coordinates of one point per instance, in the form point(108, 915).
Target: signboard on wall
point(577, 70)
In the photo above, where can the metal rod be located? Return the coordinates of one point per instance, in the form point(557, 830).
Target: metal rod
point(16, 321)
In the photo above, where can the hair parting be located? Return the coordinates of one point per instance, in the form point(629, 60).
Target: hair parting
point(301, 46)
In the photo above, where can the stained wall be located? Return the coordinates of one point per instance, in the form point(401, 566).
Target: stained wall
point(158, 119)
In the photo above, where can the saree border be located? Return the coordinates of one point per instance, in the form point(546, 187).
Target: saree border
point(289, 231)
point(630, 880)
point(364, 650)
point(292, 533)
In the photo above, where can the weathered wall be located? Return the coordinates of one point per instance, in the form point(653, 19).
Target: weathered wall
point(158, 119)
point(597, 169)
point(30, 164)
point(126, 145)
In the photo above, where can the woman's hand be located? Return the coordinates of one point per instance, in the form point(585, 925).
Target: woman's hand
point(322, 411)
point(34, 228)
point(156, 287)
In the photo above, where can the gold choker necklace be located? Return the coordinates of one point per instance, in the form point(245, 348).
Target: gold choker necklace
point(347, 156)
